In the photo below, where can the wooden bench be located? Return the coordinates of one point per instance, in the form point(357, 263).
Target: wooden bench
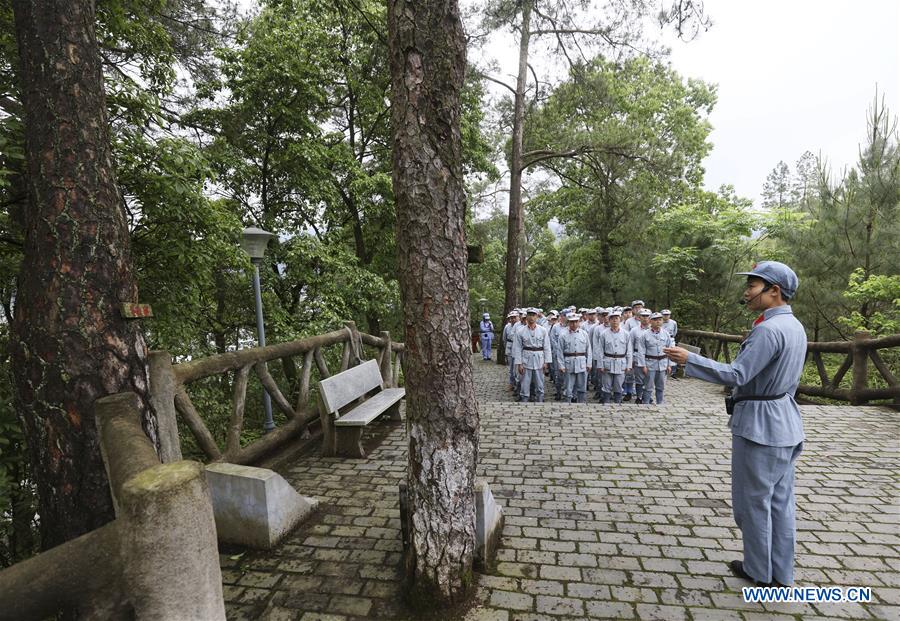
point(342, 418)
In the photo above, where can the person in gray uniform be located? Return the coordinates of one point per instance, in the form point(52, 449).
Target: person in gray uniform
point(652, 359)
point(486, 328)
point(635, 320)
point(671, 326)
point(575, 347)
point(637, 377)
point(552, 320)
point(531, 349)
point(597, 363)
point(767, 431)
point(512, 320)
point(558, 362)
point(615, 358)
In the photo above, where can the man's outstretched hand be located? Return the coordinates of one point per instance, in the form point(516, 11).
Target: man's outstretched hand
point(676, 354)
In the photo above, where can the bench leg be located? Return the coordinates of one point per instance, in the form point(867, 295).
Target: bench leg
point(394, 411)
point(349, 441)
point(327, 421)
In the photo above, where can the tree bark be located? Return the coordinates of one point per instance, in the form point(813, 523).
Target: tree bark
point(70, 343)
point(515, 234)
point(427, 49)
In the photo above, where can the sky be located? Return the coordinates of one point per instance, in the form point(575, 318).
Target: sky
point(792, 76)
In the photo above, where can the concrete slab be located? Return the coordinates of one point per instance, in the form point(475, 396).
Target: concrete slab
point(254, 507)
point(488, 525)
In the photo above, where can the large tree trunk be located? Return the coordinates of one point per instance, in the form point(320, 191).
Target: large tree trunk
point(71, 345)
point(515, 233)
point(427, 49)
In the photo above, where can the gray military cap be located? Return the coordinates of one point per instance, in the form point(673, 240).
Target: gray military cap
point(776, 273)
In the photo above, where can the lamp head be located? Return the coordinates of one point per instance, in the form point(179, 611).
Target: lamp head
point(254, 242)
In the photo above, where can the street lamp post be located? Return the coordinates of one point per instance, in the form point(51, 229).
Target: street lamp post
point(254, 244)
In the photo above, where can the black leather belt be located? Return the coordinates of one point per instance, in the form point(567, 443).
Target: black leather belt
point(613, 355)
point(577, 353)
point(730, 401)
point(654, 357)
point(759, 397)
point(533, 348)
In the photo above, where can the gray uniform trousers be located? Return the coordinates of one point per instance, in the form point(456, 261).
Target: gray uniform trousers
point(576, 386)
point(654, 381)
point(532, 382)
point(762, 496)
point(612, 386)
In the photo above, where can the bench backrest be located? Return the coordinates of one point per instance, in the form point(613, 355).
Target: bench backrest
point(348, 386)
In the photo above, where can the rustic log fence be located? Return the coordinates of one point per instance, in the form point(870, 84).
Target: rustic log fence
point(172, 399)
point(858, 352)
point(158, 560)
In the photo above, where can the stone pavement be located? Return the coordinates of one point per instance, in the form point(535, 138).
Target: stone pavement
point(613, 512)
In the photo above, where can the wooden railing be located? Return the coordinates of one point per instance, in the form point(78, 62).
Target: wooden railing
point(171, 395)
point(858, 353)
point(158, 560)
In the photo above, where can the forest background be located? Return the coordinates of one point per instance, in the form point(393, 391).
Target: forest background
point(280, 119)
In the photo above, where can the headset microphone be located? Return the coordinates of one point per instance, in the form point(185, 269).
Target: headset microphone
point(744, 302)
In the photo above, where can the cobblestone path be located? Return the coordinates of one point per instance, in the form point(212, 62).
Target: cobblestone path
point(612, 512)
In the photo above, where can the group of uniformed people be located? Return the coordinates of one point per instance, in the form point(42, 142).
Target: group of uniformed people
point(625, 350)
point(617, 351)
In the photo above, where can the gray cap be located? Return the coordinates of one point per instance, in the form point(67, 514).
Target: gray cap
point(777, 274)
point(574, 317)
point(636, 302)
point(615, 313)
point(655, 316)
point(666, 311)
point(645, 312)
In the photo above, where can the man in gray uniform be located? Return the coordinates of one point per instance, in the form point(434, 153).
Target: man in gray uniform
point(767, 432)
point(512, 320)
point(650, 357)
point(486, 327)
point(575, 347)
point(671, 326)
point(615, 358)
point(638, 373)
point(552, 319)
point(636, 307)
point(560, 377)
point(531, 349)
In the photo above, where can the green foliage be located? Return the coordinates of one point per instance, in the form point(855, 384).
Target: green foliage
point(624, 142)
point(835, 232)
point(879, 296)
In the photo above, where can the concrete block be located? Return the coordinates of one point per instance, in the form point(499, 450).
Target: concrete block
point(488, 525)
point(254, 507)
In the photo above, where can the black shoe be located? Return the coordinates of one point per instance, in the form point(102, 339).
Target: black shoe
point(626, 398)
point(737, 568)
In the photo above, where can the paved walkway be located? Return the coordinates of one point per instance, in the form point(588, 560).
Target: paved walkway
point(614, 512)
